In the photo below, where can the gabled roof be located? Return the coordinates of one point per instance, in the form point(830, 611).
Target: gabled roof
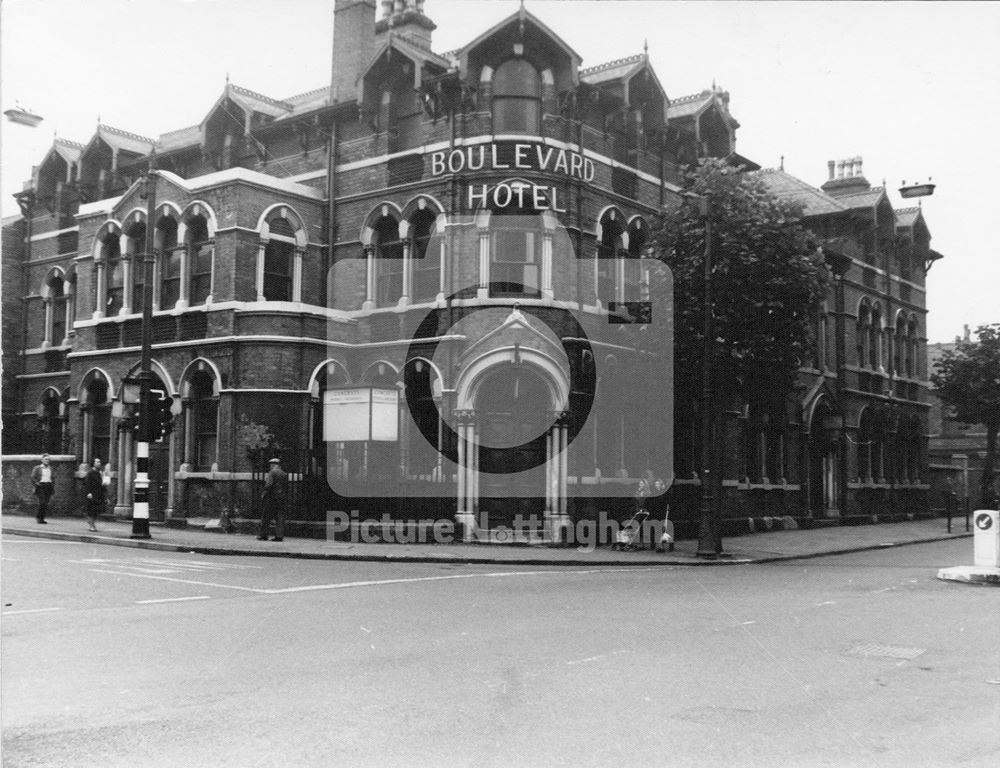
point(788, 188)
point(305, 102)
point(907, 217)
point(688, 106)
point(257, 102)
point(622, 70)
point(418, 54)
point(66, 149)
point(865, 199)
point(182, 137)
point(613, 70)
point(250, 102)
point(118, 139)
point(526, 16)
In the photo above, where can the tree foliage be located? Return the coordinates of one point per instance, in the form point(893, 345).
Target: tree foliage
point(968, 380)
point(767, 282)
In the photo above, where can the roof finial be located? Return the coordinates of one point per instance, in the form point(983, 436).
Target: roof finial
point(98, 119)
point(645, 47)
point(781, 166)
point(227, 78)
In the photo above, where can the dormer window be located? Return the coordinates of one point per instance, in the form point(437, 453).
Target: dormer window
point(517, 98)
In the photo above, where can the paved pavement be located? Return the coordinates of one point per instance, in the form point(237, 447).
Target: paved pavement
point(754, 548)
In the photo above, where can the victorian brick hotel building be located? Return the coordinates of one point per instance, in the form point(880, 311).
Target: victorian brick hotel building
point(425, 285)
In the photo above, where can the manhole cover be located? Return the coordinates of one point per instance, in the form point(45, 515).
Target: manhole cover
point(875, 651)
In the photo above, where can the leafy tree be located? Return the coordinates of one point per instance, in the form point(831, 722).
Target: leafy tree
point(968, 379)
point(767, 281)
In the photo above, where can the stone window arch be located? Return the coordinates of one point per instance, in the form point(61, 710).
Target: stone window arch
point(170, 262)
point(196, 233)
point(133, 249)
point(57, 292)
point(110, 282)
point(612, 248)
point(96, 394)
point(200, 385)
point(279, 259)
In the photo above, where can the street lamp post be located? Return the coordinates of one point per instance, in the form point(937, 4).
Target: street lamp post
point(140, 505)
point(709, 540)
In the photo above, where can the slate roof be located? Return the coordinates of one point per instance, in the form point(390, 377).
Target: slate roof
point(68, 150)
point(182, 137)
point(907, 217)
point(865, 199)
point(304, 102)
point(124, 140)
point(612, 70)
point(257, 102)
point(788, 188)
point(686, 106)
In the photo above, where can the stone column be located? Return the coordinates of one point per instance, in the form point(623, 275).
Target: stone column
point(102, 289)
point(465, 516)
point(47, 340)
point(484, 264)
point(297, 274)
point(260, 270)
point(128, 294)
point(369, 302)
point(556, 516)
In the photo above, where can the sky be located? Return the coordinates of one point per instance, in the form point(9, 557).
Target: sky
point(911, 87)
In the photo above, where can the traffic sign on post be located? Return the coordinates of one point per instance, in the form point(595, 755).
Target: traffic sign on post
point(986, 538)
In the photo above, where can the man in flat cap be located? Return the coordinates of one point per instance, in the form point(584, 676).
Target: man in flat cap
point(274, 499)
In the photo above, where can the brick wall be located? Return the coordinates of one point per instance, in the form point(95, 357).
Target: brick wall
point(18, 491)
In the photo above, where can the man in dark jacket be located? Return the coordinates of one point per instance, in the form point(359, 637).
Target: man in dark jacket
point(274, 499)
point(41, 478)
point(93, 491)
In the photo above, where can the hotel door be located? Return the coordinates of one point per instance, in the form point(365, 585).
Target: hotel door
point(513, 421)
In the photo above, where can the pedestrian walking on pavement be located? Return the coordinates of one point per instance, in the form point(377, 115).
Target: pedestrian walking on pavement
point(274, 498)
point(41, 478)
point(93, 491)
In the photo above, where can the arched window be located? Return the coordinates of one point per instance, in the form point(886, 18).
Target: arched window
point(98, 421)
point(50, 414)
point(865, 445)
point(199, 248)
point(388, 262)
point(171, 257)
point(610, 251)
point(57, 311)
point(912, 348)
point(204, 406)
point(900, 346)
point(279, 259)
point(861, 333)
point(426, 256)
point(331, 375)
point(425, 433)
point(113, 274)
point(135, 248)
point(875, 338)
point(517, 98)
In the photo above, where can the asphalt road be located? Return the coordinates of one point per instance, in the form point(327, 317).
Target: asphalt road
point(119, 657)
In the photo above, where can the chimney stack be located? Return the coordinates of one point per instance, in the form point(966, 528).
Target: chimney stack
point(405, 18)
point(353, 45)
point(831, 167)
point(965, 333)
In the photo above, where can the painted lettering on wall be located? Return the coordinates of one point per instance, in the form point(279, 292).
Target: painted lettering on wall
point(525, 157)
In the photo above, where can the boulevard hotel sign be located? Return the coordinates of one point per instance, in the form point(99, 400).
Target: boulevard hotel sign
point(513, 157)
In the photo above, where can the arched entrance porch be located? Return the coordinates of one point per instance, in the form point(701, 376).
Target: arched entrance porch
point(512, 436)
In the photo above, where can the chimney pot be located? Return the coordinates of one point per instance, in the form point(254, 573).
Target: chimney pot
point(965, 332)
point(831, 166)
point(859, 171)
point(840, 169)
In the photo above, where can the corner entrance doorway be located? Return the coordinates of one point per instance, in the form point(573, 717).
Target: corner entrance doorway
point(512, 405)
